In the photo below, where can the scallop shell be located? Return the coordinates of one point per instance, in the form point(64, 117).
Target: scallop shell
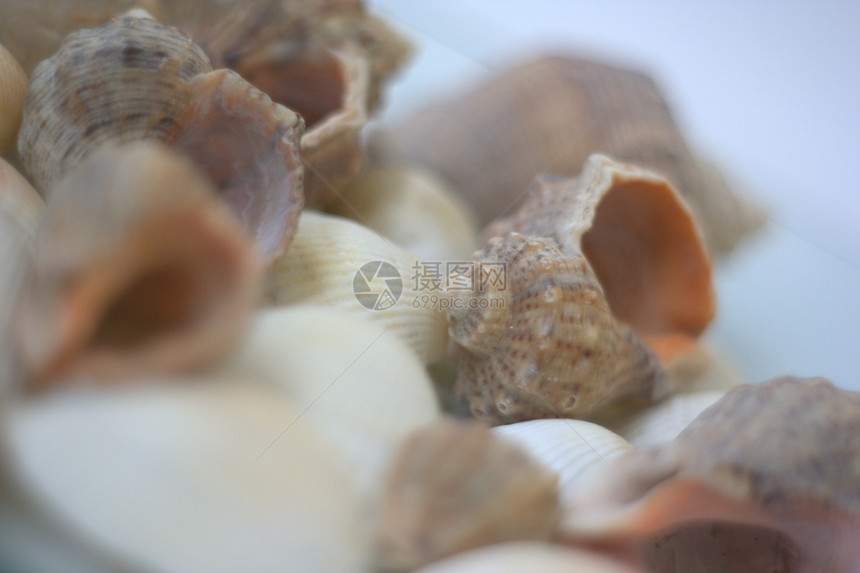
point(414, 209)
point(337, 262)
point(329, 364)
point(191, 475)
point(248, 145)
point(570, 448)
point(137, 269)
point(526, 557)
point(550, 114)
point(13, 88)
point(455, 486)
point(20, 211)
point(769, 476)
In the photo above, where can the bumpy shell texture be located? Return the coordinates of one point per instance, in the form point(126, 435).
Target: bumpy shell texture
point(770, 474)
point(454, 486)
point(135, 79)
point(550, 114)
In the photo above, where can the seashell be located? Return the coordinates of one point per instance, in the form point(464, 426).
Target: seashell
point(569, 448)
point(550, 114)
point(136, 269)
point(455, 486)
point(327, 361)
point(33, 30)
point(661, 423)
point(526, 557)
point(20, 211)
point(248, 145)
point(766, 479)
point(414, 209)
point(326, 265)
point(13, 87)
point(190, 475)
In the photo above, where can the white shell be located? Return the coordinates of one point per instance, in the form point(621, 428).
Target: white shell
point(413, 208)
point(661, 423)
point(321, 265)
point(571, 448)
point(192, 476)
point(526, 557)
point(360, 380)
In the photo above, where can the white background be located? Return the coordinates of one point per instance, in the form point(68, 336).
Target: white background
point(770, 90)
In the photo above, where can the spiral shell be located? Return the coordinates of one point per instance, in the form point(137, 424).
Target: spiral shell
point(769, 475)
point(137, 269)
point(337, 262)
point(550, 114)
point(248, 145)
point(455, 486)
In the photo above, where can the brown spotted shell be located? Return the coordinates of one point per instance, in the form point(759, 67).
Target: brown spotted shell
point(550, 114)
point(454, 486)
point(137, 269)
point(80, 99)
point(769, 476)
point(544, 343)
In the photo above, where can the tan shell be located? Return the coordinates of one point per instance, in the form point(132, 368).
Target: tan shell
point(550, 114)
point(137, 269)
point(323, 266)
point(455, 486)
point(20, 211)
point(770, 474)
point(248, 145)
point(414, 209)
point(13, 87)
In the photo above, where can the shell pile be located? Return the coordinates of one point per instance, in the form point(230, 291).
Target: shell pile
point(200, 373)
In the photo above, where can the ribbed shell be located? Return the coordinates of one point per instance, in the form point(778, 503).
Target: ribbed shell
point(137, 269)
point(550, 114)
point(455, 486)
point(322, 267)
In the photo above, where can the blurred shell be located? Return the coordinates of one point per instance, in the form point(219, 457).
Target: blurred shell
point(526, 557)
point(324, 266)
point(20, 211)
point(768, 475)
point(455, 486)
point(33, 30)
point(543, 343)
point(191, 475)
point(13, 88)
point(570, 448)
point(662, 422)
point(330, 364)
point(550, 114)
point(137, 269)
point(412, 208)
point(80, 99)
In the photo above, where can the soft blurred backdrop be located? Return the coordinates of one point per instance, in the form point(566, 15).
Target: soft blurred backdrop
point(769, 90)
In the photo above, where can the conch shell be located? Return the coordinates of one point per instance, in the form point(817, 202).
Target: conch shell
point(766, 479)
point(550, 114)
point(80, 99)
point(137, 269)
point(13, 87)
point(600, 271)
point(455, 486)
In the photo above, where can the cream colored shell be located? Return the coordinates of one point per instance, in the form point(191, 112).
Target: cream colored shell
point(323, 263)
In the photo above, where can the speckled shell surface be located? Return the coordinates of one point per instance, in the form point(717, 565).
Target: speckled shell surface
point(550, 114)
point(248, 145)
point(137, 269)
point(454, 486)
point(549, 346)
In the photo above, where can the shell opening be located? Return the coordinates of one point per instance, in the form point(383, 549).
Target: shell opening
point(712, 547)
point(646, 253)
point(312, 85)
